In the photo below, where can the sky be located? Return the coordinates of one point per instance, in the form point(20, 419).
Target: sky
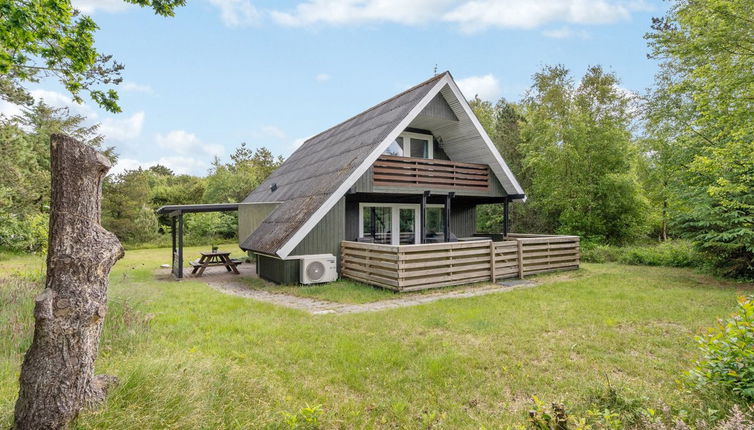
point(272, 73)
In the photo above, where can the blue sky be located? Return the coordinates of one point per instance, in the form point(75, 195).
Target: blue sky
point(271, 73)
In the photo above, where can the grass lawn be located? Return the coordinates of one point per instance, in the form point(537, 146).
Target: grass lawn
point(344, 290)
point(188, 356)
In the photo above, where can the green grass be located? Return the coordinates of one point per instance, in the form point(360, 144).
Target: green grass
point(344, 290)
point(341, 291)
point(190, 357)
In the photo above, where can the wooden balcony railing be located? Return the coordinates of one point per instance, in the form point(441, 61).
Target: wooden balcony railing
point(420, 172)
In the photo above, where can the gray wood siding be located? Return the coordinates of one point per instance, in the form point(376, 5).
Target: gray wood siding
point(365, 184)
point(438, 107)
point(352, 220)
point(463, 219)
point(278, 271)
point(325, 237)
point(250, 216)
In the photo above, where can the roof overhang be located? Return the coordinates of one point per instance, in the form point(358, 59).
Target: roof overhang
point(174, 210)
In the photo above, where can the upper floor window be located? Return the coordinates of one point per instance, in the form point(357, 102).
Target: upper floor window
point(410, 144)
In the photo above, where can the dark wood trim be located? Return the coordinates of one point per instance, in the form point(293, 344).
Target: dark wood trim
point(180, 246)
point(418, 131)
point(446, 221)
point(175, 210)
point(174, 254)
point(506, 220)
point(373, 221)
point(423, 217)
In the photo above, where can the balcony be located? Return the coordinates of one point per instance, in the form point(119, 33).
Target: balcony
point(391, 171)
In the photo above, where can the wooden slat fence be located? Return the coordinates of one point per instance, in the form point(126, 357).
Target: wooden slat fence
point(412, 172)
point(419, 267)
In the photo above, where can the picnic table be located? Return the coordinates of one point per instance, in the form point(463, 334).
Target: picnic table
point(214, 259)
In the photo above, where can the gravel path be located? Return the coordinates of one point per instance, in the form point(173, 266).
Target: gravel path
point(320, 307)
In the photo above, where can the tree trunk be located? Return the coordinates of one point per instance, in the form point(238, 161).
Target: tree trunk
point(57, 376)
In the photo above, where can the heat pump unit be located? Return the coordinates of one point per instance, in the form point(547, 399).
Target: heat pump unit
point(316, 269)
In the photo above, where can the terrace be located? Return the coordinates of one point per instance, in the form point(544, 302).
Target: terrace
point(433, 265)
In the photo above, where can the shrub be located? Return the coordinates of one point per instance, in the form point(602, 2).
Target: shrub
point(672, 254)
point(211, 226)
point(595, 253)
point(728, 354)
point(555, 417)
point(675, 253)
point(24, 234)
point(145, 226)
point(307, 418)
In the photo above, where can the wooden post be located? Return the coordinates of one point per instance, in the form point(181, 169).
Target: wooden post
point(492, 261)
point(520, 246)
point(57, 376)
point(373, 223)
point(180, 245)
point(446, 223)
point(174, 255)
point(423, 217)
point(506, 221)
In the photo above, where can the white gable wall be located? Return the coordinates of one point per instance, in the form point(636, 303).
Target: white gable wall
point(463, 141)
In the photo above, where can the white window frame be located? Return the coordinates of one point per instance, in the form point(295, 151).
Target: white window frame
point(407, 135)
point(395, 225)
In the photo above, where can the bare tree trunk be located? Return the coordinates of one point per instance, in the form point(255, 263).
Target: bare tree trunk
point(57, 376)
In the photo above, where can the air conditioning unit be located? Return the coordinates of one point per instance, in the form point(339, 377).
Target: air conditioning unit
point(316, 269)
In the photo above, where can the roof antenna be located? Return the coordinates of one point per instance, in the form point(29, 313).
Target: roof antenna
point(435, 72)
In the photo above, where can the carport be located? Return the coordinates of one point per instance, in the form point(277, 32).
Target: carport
point(175, 212)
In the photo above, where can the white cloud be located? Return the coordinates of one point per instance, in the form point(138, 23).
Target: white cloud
point(8, 109)
point(322, 77)
point(124, 164)
point(112, 127)
point(470, 15)
point(273, 131)
point(486, 87)
point(300, 141)
point(185, 165)
point(178, 164)
point(565, 33)
point(136, 88)
point(633, 97)
point(359, 11)
point(184, 143)
point(120, 128)
point(59, 100)
point(92, 6)
point(237, 13)
point(481, 14)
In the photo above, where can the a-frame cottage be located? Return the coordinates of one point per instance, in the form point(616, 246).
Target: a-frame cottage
point(391, 194)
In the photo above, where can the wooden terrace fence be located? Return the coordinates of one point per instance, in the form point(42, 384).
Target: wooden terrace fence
point(419, 267)
point(421, 172)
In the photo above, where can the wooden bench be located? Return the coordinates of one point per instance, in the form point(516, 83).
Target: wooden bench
point(214, 259)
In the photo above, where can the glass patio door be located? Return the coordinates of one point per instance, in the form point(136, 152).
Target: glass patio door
point(378, 224)
point(390, 223)
point(407, 226)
